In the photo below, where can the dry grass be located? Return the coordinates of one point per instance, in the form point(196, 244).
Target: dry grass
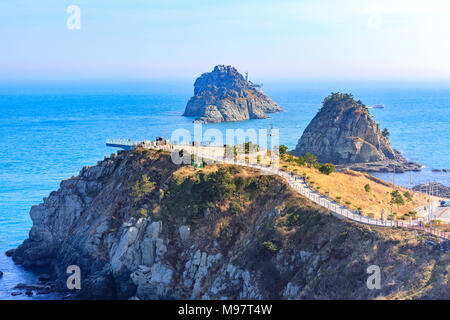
point(349, 186)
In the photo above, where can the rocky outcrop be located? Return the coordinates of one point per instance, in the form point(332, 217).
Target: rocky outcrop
point(140, 227)
point(224, 95)
point(344, 133)
point(439, 189)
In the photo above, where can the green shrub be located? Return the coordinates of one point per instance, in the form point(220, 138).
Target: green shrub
point(233, 169)
point(408, 197)
point(396, 198)
point(141, 213)
point(269, 246)
point(282, 149)
point(412, 213)
point(311, 160)
point(367, 187)
point(142, 187)
point(300, 161)
point(327, 168)
point(235, 207)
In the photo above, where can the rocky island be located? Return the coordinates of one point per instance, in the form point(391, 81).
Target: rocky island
point(224, 95)
point(345, 134)
point(140, 227)
point(439, 189)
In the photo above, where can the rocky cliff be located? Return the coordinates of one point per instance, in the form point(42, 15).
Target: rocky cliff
point(141, 227)
point(224, 95)
point(344, 133)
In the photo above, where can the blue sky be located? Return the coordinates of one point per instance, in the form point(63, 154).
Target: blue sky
point(179, 39)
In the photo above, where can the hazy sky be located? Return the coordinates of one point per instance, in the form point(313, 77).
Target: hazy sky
point(150, 39)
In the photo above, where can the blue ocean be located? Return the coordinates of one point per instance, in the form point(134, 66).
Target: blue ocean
point(50, 131)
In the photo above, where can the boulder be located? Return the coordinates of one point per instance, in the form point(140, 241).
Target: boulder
point(184, 233)
point(10, 252)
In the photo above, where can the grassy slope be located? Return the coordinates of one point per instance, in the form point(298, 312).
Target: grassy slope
point(349, 186)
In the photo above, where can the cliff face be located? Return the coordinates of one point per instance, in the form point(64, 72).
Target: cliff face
point(139, 226)
point(343, 132)
point(224, 95)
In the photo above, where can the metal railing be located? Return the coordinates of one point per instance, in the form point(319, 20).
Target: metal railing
point(123, 142)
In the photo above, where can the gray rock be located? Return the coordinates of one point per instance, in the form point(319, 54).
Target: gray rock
point(224, 95)
point(439, 189)
point(291, 291)
point(184, 231)
point(1, 274)
point(304, 255)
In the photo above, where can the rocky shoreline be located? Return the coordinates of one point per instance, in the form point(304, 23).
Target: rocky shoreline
point(400, 164)
point(439, 189)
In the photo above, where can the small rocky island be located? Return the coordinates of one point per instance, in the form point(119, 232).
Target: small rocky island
point(224, 95)
point(439, 189)
point(345, 134)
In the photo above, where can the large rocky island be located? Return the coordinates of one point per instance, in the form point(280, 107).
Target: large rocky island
point(344, 133)
point(224, 95)
point(141, 227)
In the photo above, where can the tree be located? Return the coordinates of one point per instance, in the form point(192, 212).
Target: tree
point(270, 246)
point(282, 149)
point(311, 159)
point(327, 168)
point(397, 198)
point(385, 133)
point(407, 195)
point(142, 188)
point(301, 161)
